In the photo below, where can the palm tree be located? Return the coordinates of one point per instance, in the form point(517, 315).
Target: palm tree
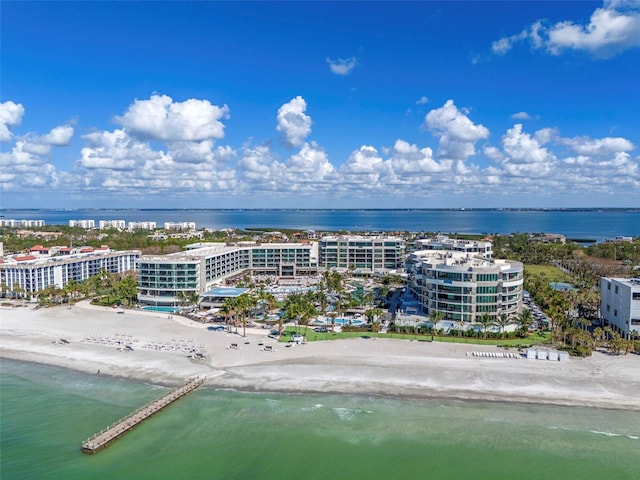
point(598, 336)
point(307, 311)
point(245, 303)
point(377, 313)
point(229, 309)
point(292, 308)
point(369, 314)
point(502, 321)
point(332, 316)
point(460, 326)
point(18, 290)
point(321, 297)
point(485, 321)
point(435, 316)
point(525, 320)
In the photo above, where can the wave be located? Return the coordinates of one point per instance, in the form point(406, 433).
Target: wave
point(612, 434)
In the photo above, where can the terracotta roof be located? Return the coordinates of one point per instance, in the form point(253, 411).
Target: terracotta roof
point(26, 257)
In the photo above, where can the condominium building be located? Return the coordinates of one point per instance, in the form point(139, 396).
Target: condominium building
point(444, 243)
point(10, 222)
point(119, 224)
point(39, 270)
point(362, 254)
point(179, 225)
point(82, 223)
point(464, 287)
point(142, 225)
point(620, 304)
point(163, 279)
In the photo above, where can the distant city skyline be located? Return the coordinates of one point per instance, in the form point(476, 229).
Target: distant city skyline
point(320, 105)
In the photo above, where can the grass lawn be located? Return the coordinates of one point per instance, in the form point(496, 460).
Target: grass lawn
point(312, 336)
point(553, 274)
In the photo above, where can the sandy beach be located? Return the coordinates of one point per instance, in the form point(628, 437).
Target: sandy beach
point(94, 339)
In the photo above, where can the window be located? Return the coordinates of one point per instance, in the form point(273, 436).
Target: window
point(615, 313)
point(616, 288)
point(608, 308)
point(636, 295)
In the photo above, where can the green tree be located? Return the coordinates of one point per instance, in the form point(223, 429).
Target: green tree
point(525, 320)
point(502, 321)
point(436, 316)
point(18, 291)
point(127, 288)
point(485, 321)
point(229, 310)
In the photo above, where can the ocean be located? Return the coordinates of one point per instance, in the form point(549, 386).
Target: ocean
point(46, 412)
point(593, 224)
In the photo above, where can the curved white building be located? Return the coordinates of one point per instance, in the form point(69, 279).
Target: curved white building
point(465, 287)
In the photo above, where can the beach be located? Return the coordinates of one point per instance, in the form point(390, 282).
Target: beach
point(151, 347)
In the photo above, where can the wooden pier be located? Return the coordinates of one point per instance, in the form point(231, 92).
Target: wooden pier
point(114, 431)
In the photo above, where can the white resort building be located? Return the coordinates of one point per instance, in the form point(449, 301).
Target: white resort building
point(10, 222)
point(443, 242)
point(362, 254)
point(463, 286)
point(620, 304)
point(44, 266)
point(142, 225)
point(180, 226)
point(119, 224)
point(82, 223)
point(162, 280)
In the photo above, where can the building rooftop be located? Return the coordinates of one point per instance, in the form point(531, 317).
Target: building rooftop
point(632, 282)
point(226, 292)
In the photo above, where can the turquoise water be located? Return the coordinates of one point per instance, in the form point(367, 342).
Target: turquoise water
point(339, 321)
point(154, 308)
point(46, 413)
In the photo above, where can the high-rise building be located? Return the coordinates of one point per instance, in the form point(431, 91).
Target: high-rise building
point(162, 279)
point(362, 254)
point(32, 273)
point(620, 304)
point(464, 287)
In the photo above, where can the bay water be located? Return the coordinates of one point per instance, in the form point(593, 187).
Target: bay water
point(593, 224)
point(46, 412)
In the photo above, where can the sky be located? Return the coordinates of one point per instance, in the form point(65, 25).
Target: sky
point(319, 104)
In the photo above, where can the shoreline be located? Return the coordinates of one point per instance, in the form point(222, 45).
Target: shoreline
point(387, 368)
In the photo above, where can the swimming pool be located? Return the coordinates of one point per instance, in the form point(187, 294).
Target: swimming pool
point(339, 321)
point(155, 308)
point(561, 286)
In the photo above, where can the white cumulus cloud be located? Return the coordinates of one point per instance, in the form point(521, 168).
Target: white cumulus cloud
point(10, 115)
point(598, 146)
point(160, 118)
point(610, 30)
point(115, 150)
point(457, 133)
point(293, 124)
point(59, 136)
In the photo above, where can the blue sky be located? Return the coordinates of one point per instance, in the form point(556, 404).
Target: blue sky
point(320, 105)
